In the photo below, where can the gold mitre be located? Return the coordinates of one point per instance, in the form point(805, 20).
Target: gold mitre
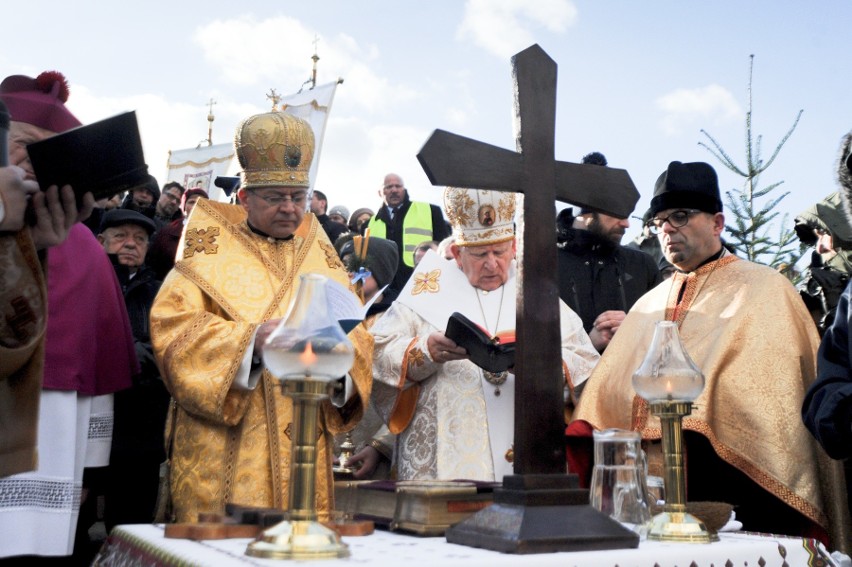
point(480, 216)
point(274, 149)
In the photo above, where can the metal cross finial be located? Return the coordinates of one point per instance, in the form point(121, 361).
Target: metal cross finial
point(275, 98)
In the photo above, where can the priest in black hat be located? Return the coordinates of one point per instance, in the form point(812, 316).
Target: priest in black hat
point(748, 331)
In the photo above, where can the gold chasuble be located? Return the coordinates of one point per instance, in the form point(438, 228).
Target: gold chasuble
point(231, 442)
point(748, 331)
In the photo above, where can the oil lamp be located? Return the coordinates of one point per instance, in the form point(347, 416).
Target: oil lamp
point(669, 380)
point(308, 353)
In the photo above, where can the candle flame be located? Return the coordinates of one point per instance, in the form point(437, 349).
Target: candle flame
point(308, 358)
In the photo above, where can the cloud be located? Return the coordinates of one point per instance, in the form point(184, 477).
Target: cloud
point(686, 108)
point(504, 27)
point(249, 51)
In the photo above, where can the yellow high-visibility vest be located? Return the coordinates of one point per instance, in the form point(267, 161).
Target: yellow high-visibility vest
point(416, 228)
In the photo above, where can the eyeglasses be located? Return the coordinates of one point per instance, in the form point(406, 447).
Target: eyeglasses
point(676, 219)
point(275, 200)
point(173, 198)
point(394, 186)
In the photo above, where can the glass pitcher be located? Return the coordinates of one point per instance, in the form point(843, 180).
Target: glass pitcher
point(619, 488)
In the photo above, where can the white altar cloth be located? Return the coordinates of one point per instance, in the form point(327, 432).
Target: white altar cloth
point(144, 545)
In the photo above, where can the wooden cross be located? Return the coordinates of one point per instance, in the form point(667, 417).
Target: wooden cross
point(453, 160)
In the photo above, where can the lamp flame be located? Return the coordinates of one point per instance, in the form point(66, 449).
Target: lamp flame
point(308, 358)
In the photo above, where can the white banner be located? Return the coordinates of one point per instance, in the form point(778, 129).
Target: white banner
point(314, 106)
point(199, 167)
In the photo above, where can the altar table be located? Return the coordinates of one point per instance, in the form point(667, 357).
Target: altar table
point(145, 545)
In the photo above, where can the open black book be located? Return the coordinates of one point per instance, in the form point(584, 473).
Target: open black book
point(494, 354)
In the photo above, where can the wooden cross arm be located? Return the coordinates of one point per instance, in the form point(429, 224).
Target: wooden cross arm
point(603, 189)
point(450, 159)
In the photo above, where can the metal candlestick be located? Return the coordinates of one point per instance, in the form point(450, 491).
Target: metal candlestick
point(675, 523)
point(308, 353)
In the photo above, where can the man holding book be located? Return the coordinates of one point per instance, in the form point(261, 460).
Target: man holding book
point(453, 418)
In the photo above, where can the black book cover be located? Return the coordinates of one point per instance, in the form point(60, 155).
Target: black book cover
point(103, 157)
point(486, 352)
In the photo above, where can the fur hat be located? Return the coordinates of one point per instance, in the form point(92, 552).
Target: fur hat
point(480, 216)
point(687, 186)
point(39, 101)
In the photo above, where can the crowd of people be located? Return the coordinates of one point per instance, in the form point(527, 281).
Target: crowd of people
point(133, 335)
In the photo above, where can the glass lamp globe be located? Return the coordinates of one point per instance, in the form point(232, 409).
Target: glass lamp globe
point(668, 373)
point(309, 344)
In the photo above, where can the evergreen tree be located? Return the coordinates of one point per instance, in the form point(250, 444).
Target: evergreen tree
point(752, 207)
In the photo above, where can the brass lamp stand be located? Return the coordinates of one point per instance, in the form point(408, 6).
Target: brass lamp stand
point(669, 380)
point(302, 536)
point(307, 352)
point(675, 523)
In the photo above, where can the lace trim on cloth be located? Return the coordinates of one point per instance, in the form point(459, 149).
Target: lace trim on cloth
point(41, 493)
point(100, 426)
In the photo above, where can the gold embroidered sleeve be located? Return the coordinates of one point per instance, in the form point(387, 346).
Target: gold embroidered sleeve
point(199, 351)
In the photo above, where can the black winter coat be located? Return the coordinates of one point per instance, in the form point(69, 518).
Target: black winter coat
point(596, 275)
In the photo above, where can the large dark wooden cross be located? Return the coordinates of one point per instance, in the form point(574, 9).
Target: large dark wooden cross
point(539, 446)
point(453, 160)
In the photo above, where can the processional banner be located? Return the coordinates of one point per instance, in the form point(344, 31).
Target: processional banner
point(199, 167)
point(196, 168)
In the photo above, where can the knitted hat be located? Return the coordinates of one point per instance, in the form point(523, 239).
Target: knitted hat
point(118, 217)
point(687, 186)
point(353, 218)
point(381, 259)
point(339, 210)
point(189, 193)
point(594, 158)
point(39, 101)
point(480, 216)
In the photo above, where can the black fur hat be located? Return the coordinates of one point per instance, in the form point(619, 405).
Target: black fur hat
point(688, 186)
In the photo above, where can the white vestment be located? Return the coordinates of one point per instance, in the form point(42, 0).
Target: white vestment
point(39, 509)
point(460, 428)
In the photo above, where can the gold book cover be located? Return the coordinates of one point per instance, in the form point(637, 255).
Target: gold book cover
point(423, 507)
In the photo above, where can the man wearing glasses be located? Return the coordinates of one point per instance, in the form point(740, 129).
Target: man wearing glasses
point(406, 222)
point(748, 331)
point(235, 277)
point(168, 205)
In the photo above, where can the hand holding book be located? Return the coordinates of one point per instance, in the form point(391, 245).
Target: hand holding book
point(494, 354)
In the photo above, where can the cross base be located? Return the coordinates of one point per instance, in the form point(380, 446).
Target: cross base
point(541, 513)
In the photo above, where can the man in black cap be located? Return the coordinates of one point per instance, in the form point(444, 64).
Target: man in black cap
point(599, 279)
point(140, 411)
point(748, 331)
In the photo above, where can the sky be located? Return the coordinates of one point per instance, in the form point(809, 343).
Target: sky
point(637, 81)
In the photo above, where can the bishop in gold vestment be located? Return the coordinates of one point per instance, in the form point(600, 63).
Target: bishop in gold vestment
point(231, 442)
point(236, 276)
